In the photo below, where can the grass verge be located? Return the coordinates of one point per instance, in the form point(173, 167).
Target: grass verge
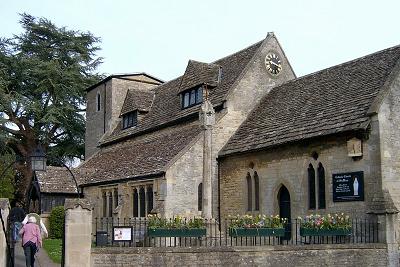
point(53, 248)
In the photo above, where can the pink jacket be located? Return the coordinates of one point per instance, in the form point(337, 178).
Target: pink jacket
point(31, 232)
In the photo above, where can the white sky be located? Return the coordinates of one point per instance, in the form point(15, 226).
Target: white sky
point(159, 37)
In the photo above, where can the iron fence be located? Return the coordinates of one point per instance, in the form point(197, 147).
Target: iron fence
point(220, 234)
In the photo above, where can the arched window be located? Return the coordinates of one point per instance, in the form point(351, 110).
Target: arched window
point(98, 101)
point(149, 199)
point(256, 192)
point(321, 187)
point(311, 187)
point(104, 204)
point(249, 193)
point(115, 198)
point(110, 204)
point(135, 203)
point(200, 197)
point(142, 197)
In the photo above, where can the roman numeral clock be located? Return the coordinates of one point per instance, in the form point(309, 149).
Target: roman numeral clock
point(273, 63)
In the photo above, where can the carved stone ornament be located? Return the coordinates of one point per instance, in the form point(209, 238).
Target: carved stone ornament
point(74, 203)
point(354, 147)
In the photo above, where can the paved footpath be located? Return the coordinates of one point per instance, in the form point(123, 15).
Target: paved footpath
point(42, 260)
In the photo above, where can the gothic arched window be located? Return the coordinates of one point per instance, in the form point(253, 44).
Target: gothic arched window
point(135, 203)
point(149, 199)
point(256, 192)
point(104, 204)
point(249, 193)
point(142, 201)
point(311, 187)
point(200, 197)
point(110, 204)
point(321, 186)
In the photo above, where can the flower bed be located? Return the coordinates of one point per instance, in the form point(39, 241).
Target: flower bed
point(325, 225)
point(324, 232)
point(260, 225)
point(237, 232)
point(175, 227)
point(165, 232)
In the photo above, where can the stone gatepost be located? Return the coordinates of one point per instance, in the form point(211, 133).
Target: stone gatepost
point(383, 207)
point(4, 209)
point(78, 232)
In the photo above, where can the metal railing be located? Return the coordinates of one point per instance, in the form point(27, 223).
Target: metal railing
point(219, 234)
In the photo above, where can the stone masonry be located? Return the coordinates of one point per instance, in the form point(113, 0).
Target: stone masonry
point(288, 166)
point(373, 255)
point(112, 94)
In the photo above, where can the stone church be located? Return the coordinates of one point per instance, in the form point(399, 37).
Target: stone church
point(243, 135)
point(152, 146)
point(327, 142)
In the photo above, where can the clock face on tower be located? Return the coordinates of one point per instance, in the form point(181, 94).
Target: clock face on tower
point(273, 63)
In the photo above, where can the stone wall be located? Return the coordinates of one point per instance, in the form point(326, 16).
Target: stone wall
point(307, 256)
point(113, 93)
point(287, 165)
point(389, 125)
point(185, 174)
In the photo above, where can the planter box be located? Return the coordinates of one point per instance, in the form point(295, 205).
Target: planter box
point(163, 232)
point(324, 232)
point(235, 232)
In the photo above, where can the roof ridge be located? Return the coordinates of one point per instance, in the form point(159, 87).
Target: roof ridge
point(341, 64)
point(237, 52)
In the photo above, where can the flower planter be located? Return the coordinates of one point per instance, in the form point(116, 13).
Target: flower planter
point(164, 232)
point(324, 232)
point(237, 232)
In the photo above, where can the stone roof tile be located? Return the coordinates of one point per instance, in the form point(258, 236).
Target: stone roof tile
point(167, 106)
point(333, 100)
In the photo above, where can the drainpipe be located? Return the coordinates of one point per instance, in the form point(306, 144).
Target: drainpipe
point(219, 193)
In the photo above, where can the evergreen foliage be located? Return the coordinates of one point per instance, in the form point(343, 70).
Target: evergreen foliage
point(56, 221)
point(44, 72)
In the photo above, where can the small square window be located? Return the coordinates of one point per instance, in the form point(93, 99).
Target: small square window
point(129, 120)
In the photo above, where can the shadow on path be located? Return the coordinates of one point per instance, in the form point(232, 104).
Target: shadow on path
point(42, 260)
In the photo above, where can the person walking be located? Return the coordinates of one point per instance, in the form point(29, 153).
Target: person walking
point(31, 240)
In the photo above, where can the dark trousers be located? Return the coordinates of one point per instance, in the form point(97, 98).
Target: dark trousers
point(30, 251)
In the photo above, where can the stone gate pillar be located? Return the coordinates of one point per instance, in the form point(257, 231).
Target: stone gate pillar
point(4, 209)
point(78, 232)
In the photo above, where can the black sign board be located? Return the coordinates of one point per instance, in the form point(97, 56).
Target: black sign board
point(348, 186)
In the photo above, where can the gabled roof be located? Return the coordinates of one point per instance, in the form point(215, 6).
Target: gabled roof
point(330, 101)
point(139, 157)
point(137, 100)
point(58, 180)
point(126, 76)
point(166, 108)
point(198, 73)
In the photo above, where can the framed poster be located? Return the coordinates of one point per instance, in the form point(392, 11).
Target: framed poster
point(122, 233)
point(348, 186)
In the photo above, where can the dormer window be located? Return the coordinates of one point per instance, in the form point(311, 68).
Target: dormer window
point(129, 120)
point(192, 97)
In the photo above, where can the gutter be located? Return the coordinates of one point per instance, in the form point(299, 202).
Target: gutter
point(139, 177)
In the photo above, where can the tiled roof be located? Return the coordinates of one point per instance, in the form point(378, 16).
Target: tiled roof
point(142, 156)
point(333, 100)
point(166, 106)
point(58, 179)
point(137, 100)
point(198, 73)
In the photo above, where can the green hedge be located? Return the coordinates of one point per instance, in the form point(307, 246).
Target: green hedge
point(56, 221)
